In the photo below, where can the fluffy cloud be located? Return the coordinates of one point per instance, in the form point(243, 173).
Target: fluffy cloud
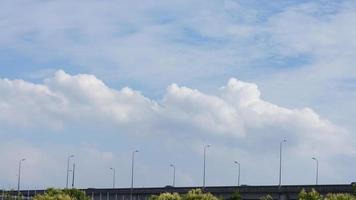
point(237, 111)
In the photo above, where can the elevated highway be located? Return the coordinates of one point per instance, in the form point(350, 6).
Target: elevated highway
point(286, 192)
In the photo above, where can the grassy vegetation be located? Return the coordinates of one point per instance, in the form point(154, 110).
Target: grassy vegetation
point(195, 194)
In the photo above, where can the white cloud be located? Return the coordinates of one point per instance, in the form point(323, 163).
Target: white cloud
point(85, 99)
point(237, 113)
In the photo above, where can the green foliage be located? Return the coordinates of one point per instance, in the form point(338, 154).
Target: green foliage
point(266, 197)
point(66, 194)
point(235, 196)
point(312, 195)
point(53, 194)
point(166, 196)
point(340, 197)
point(354, 188)
point(76, 194)
point(195, 194)
point(198, 194)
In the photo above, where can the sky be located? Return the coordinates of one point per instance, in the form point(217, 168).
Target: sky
point(100, 79)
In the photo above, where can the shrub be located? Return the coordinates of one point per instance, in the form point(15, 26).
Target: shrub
point(340, 197)
point(197, 194)
point(66, 194)
point(76, 194)
point(53, 194)
point(166, 196)
point(312, 195)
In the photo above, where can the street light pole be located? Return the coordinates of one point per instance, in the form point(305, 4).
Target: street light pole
point(238, 177)
point(132, 172)
point(205, 147)
point(280, 162)
point(19, 177)
point(317, 170)
point(174, 174)
point(69, 157)
point(113, 177)
point(73, 175)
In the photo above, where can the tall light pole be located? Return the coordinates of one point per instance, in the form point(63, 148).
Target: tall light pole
point(69, 157)
point(19, 177)
point(317, 170)
point(132, 172)
point(280, 162)
point(73, 175)
point(113, 177)
point(238, 176)
point(205, 147)
point(174, 174)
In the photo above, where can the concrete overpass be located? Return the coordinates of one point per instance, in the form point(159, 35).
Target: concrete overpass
point(286, 192)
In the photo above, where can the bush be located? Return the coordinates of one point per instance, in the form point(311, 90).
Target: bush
point(66, 194)
point(312, 195)
point(197, 194)
point(76, 194)
point(166, 196)
point(340, 197)
point(53, 194)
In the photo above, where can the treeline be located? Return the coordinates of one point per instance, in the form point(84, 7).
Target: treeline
point(195, 194)
point(51, 194)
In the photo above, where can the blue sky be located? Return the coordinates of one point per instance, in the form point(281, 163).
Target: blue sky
point(100, 79)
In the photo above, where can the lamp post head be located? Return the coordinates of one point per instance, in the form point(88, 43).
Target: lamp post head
point(314, 159)
point(172, 165)
point(136, 151)
point(236, 162)
point(207, 145)
point(71, 156)
point(284, 140)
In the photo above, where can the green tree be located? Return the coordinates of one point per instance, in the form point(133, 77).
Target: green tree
point(76, 194)
point(53, 194)
point(166, 196)
point(198, 194)
point(58, 194)
point(312, 195)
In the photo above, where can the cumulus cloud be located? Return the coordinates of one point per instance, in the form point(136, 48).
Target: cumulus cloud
point(237, 111)
point(236, 119)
